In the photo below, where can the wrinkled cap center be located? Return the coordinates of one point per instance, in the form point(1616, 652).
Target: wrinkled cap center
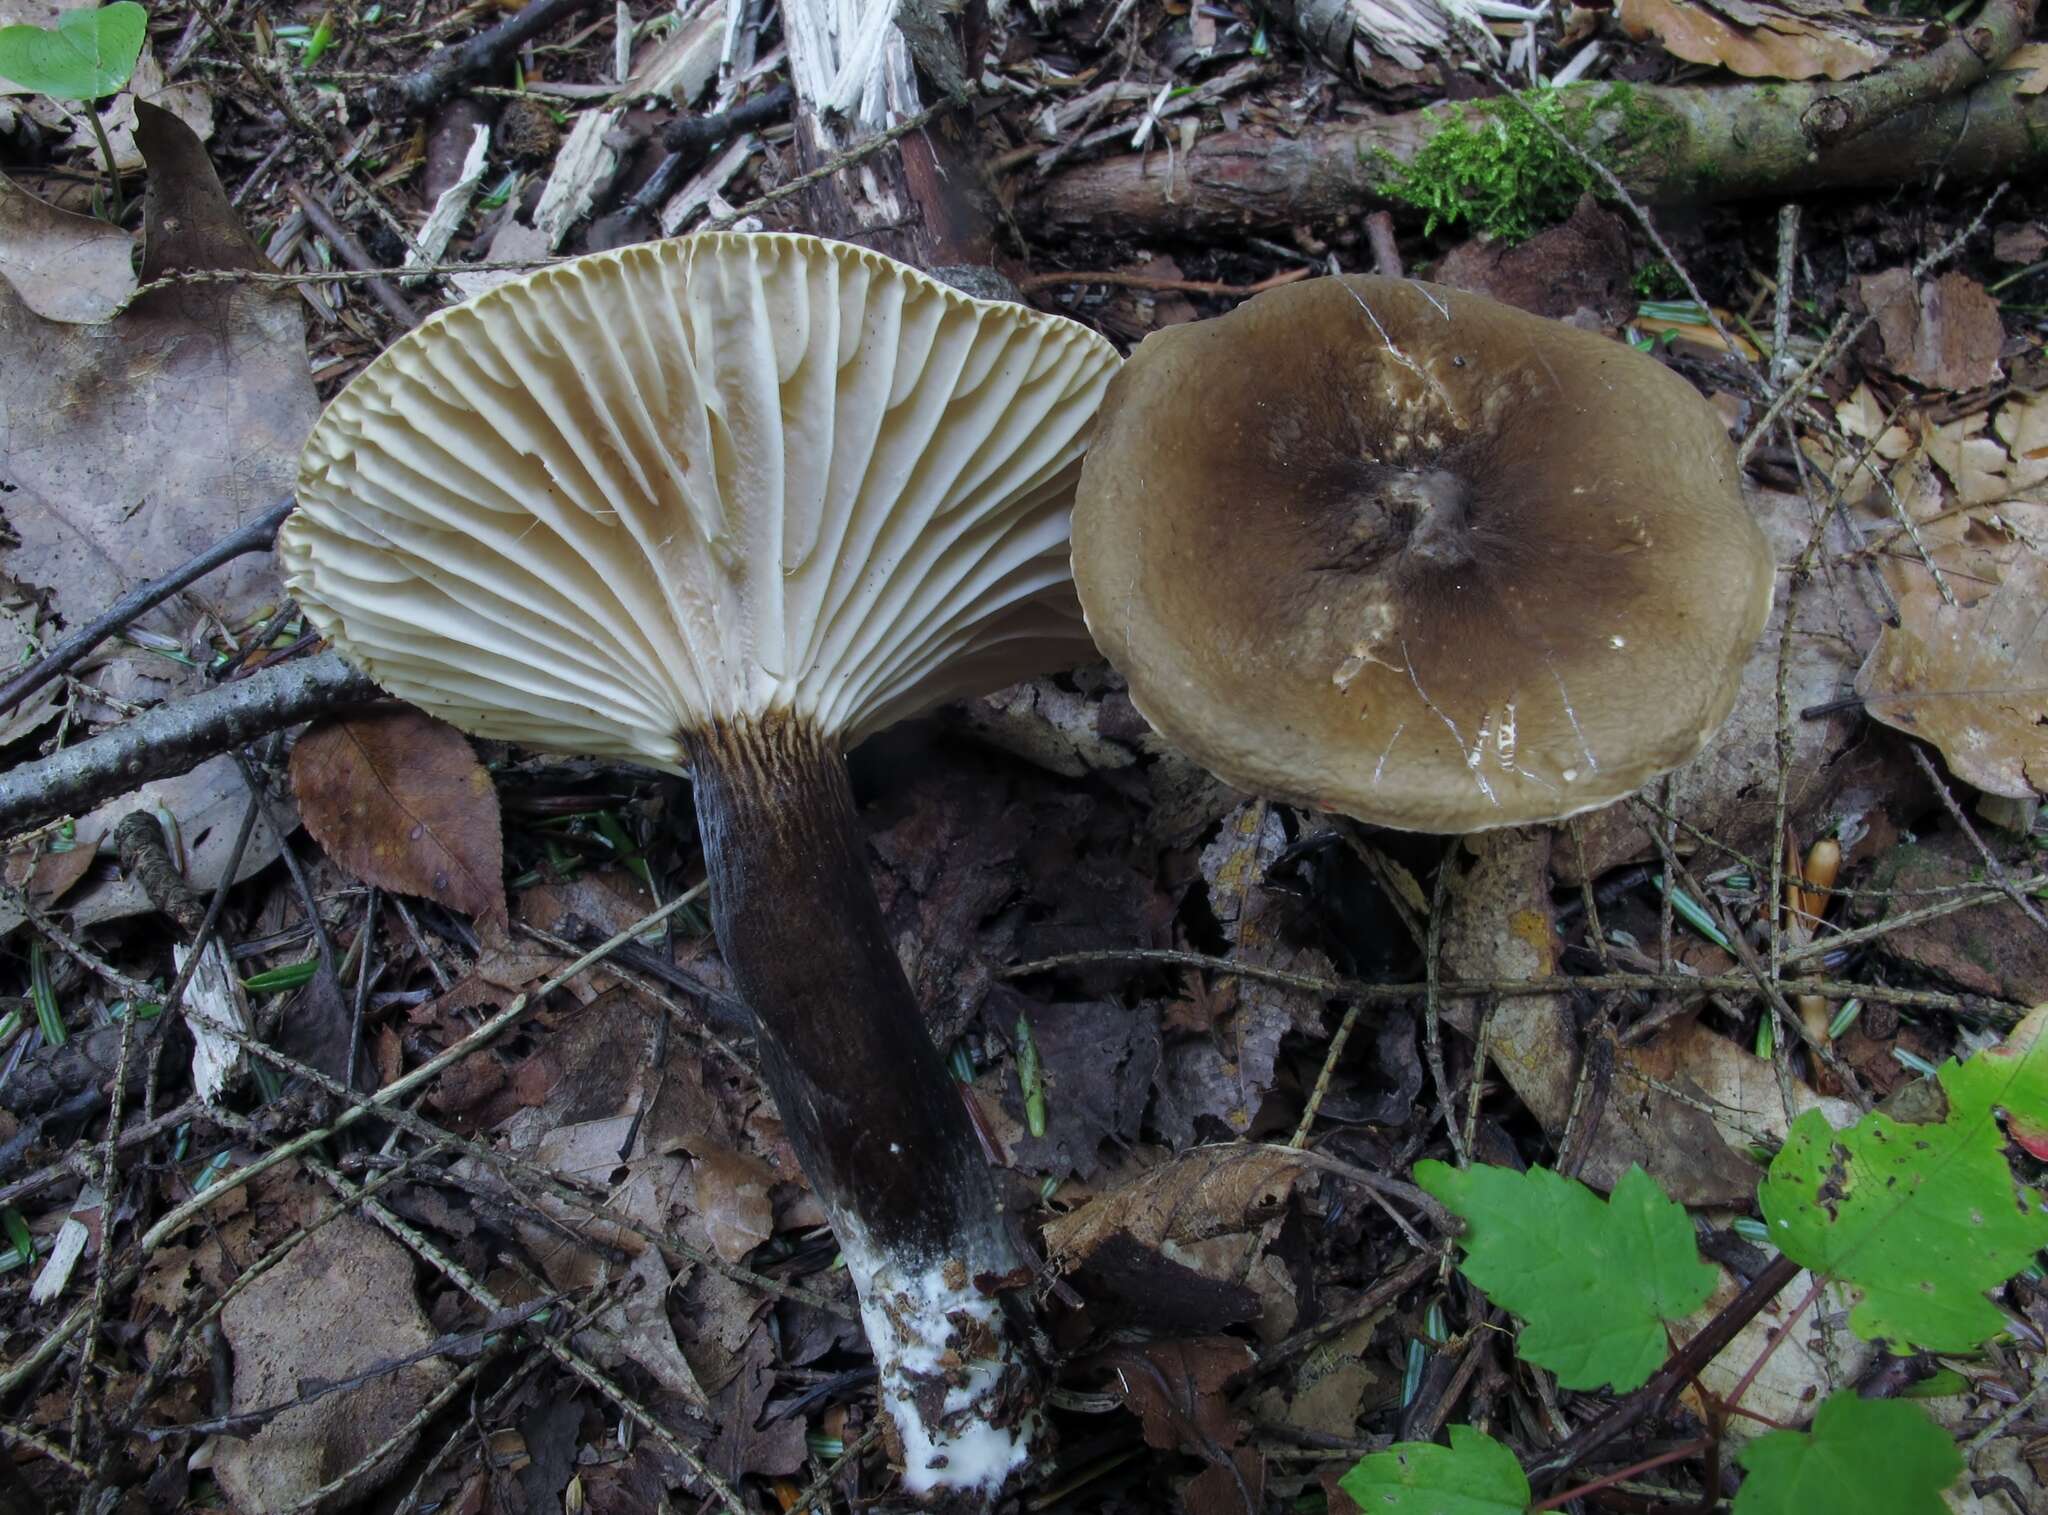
point(1397, 515)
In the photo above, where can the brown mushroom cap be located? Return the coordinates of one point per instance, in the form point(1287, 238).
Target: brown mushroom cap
point(1391, 549)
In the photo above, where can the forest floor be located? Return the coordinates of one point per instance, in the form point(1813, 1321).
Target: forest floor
point(447, 1226)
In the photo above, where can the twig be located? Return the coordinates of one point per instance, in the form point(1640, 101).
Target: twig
point(1992, 865)
point(1963, 60)
point(1996, 1011)
point(66, 655)
point(425, 86)
point(859, 153)
point(1386, 252)
point(321, 217)
point(1683, 1366)
point(1846, 331)
point(1432, 1038)
point(69, 1165)
point(1322, 1086)
point(821, 1486)
point(1608, 1480)
point(1048, 280)
point(177, 738)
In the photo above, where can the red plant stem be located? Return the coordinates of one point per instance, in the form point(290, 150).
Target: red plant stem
point(1676, 1454)
point(1777, 1339)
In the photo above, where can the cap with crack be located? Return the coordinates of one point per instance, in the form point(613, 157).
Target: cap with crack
point(728, 503)
point(1395, 550)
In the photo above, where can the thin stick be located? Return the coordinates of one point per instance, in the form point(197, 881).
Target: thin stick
point(321, 217)
point(1432, 1029)
point(1996, 1011)
point(66, 655)
point(1057, 277)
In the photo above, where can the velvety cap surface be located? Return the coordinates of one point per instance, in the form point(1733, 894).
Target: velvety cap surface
point(705, 479)
point(1395, 550)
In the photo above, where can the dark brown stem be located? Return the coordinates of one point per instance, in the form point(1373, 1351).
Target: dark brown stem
point(866, 1099)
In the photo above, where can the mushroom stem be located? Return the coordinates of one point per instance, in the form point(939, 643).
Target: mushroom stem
point(866, 1099)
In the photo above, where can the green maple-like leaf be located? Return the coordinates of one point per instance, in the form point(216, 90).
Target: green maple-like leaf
point(1474, 1475)
point(90, 53)
point(1593, 1279)
point(1873, 1456)
point(1919, 1220)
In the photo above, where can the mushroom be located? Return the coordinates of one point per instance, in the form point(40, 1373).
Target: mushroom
point(1386, 548)
point(728, 504)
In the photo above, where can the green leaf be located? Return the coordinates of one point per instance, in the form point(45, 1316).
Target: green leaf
point(1873, 1456)
point(1474, 1475)
point(91, 53)
point(1592, 1279)
point(1920, 1220)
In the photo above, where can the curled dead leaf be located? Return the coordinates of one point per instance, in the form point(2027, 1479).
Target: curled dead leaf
point(1796, 39)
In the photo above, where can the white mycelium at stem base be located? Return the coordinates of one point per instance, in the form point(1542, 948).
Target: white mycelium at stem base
point(728, 504)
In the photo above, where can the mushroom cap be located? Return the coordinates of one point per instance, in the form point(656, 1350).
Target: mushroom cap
point(698, 481)
point(1391, 549)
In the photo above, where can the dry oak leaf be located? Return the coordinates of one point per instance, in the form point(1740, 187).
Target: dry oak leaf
point(1755, 38)
point(1204, 1192)
point(1944, 333)
point(398, 799)
point(1972, 676)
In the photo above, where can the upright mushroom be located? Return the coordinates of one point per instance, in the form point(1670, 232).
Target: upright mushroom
point(1391, 549)
point(728, 504)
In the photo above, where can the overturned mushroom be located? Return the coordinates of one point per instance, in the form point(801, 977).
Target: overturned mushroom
point(1395, 550)
point(730, 503)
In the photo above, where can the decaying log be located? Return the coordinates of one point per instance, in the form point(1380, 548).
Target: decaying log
point(1667, 145)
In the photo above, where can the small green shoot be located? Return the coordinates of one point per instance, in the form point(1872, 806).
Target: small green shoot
point(21, 1244)
point(1873, 1456)
point(1694, 914)
point(43, 996)
point(87, 56)
point(276, 980)
point(1030, 1078)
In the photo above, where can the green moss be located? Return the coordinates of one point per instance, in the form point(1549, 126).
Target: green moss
point(1500, 166)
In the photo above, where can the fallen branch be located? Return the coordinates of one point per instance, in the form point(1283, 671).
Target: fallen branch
point(255, 537)
point(176, 738)
point(1957, 64)
point(321, 217)
point(1679, 144)
point(425, 85)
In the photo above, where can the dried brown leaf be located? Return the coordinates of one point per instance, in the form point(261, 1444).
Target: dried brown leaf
point(1944, 333)
point(64, 266)
point(1205, 1192)
point(363, 1278)
point(1754, 38)
point(398, 799)
point(732, 1200)
point(1972, 676)
point(130, 445)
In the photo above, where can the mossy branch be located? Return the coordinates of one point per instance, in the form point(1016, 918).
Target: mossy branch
point(1666, 145)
